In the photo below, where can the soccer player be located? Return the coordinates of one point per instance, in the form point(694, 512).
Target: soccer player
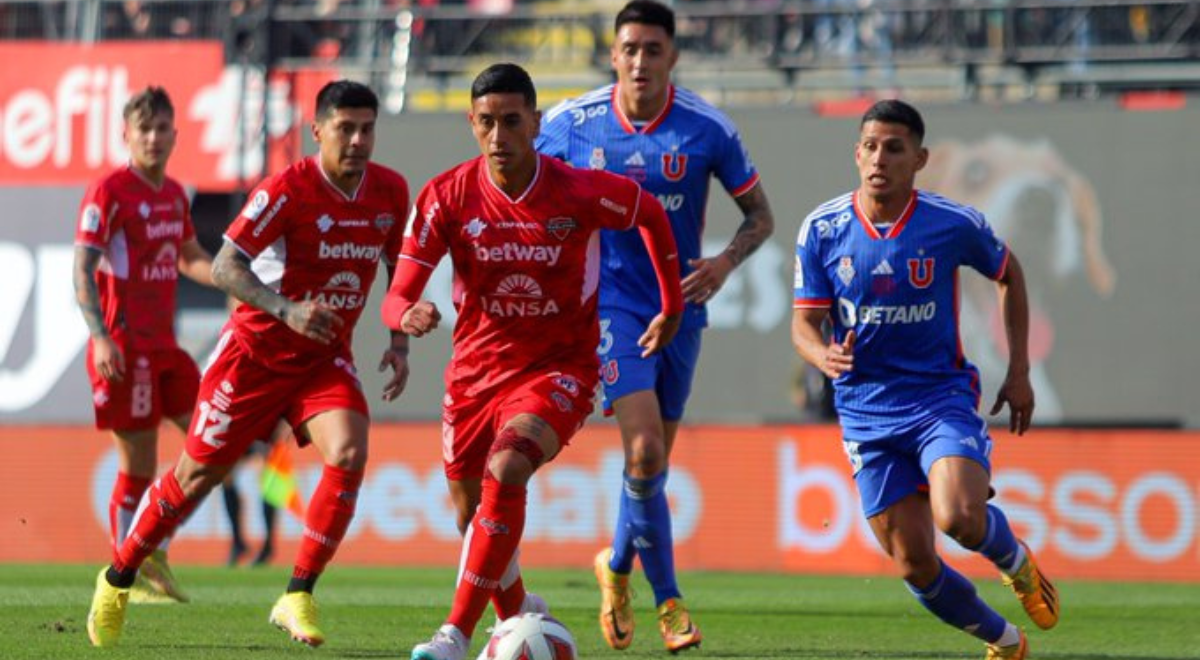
point(134, 237)
point(672, 142)
point(522, 233)
point(300, 257)
point(880, 264)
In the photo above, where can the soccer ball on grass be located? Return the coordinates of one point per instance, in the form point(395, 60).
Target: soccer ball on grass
point(532, 636)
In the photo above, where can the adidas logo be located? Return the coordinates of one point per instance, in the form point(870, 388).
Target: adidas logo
point(884, 268)
point(636, 160)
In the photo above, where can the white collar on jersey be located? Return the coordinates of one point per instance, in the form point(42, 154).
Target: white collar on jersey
point(537, 173)
point(325, 175)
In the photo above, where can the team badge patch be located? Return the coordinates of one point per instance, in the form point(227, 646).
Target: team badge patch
point(845, 270)
point(256, 205)
point(609, 372)
point(920, 272)
point(564, 404)
point(384, 222)
point(674, 165)
point(560, 227)
point(597, 161)
point(89, 220)
point(144, 210)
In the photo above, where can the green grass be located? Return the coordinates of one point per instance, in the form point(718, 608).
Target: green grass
point(382, 612)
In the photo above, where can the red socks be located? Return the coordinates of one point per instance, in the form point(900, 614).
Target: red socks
point(122, 505)
point(495, 534)
point(329, 514)
point(166, 509)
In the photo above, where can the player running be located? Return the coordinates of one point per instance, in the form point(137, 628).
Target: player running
point(301, 258)
point(134, 237)
point(673, 143)
point(522, 231)
point(881, 265)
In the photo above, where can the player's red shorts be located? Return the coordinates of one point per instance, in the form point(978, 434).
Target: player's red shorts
point(157, 384)
point(563, 399)
point(241, 400)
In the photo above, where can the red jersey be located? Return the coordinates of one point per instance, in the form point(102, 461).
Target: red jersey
point(139, 228)
point(308, 240)
point(526, 270)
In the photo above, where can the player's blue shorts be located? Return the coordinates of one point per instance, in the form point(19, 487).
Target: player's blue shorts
point(623, 370)
point(889, 467)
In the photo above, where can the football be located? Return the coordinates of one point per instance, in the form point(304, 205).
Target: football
point(531, 636)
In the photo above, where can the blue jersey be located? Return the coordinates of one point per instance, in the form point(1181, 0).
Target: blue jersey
point(673, 157)
point(899, 291)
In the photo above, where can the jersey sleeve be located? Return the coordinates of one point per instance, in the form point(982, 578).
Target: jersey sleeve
point(96, 217)
point(981, 248)
point(395, 236)
point(619, 202)
point(811, 286)
point(552, 140)
point(425, 232)
point(734, 168)
point(264, 217)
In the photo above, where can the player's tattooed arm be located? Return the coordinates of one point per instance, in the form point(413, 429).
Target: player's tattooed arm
point(232, 274)
point(756, 227)
point(87, 260)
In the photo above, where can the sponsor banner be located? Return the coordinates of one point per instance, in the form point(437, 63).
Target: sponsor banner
point(61, 112)
point(1118, 505)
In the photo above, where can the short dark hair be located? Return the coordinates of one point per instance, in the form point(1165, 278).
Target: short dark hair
point(345, 94)
point(647, 12)
point(895, 111)
point(505, 78)
point(147, 103)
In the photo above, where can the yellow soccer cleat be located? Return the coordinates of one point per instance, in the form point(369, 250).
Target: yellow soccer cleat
point(675, 624)
point(616, 613)
point(157, 575)
point(107, 616)
point(1036, 593)
point(1017, 651)
point(296, 614)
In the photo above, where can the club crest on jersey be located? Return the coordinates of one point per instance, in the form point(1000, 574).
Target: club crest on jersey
point(324, 223)
point(144, 210)
point(475, 227)
point(384, 222)
point(674, 165)
point(560, 228)
point(610, 373)
point(597, 161)
point(920, 272)
point(845, 270)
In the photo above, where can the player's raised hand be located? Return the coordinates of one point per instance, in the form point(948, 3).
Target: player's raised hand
point(108, 359)
point(839, 358)
point(659, 333)
point(314, 320)
point(706, 279)
point(396, 358)
point(420, 319)
point(1017, 392)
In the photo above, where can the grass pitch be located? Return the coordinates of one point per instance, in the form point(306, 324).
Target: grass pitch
point(382, 612)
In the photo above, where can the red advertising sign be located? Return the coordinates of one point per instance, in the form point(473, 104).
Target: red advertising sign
point(61, 112)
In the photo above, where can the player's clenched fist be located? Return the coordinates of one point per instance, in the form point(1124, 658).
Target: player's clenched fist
point(420, 319)
point(313, 320)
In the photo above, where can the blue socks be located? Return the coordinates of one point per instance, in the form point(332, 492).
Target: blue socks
point(952, 598)
point(999, 545)
point(644, 528)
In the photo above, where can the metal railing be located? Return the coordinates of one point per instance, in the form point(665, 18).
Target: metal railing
point(778, 46)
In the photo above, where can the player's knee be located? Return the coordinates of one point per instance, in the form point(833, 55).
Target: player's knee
point(349, 455)
point(964, 523)
point(513, 457)
point(197, 479)
point(647, 456)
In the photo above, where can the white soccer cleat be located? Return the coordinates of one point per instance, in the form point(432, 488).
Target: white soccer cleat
point(448, 643)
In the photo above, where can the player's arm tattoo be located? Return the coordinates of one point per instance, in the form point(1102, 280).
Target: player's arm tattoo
point(232, 274)
point(755, 229)
point(87, 260)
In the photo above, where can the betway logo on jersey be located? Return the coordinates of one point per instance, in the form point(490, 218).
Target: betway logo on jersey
point(518, 295)
point(852, 315)
point(342, 291)
point(348, 250)
point(540, 254)
point(164, 230)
